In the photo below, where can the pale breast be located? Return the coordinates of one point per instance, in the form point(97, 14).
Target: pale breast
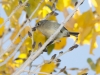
point(48, 28)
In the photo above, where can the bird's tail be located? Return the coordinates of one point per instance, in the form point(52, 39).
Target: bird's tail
point(74, 33)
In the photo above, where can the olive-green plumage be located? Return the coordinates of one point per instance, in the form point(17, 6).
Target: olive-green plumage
point(47, 28)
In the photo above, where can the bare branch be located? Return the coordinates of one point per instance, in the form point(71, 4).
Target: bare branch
point(37, 68)
point(70, 49)
point(38, 72)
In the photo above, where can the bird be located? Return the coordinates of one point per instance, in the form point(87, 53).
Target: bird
point(48, 27)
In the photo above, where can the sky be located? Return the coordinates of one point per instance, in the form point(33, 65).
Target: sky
point(77, 57)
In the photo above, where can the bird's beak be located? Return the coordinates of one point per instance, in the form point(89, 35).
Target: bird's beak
point(68, 35)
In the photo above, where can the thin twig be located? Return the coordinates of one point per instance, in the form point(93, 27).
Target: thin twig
point(4, 41)
point(25, 23)
point(54, 58)
point(61, 70)
point(14, 11)
point(38, 72)
point(70, 49)
point(20, 44)
point(11, 48)
point(30, 66)
point(73, 69)
point(38, 67)
point(34, 56)
point(57, 73)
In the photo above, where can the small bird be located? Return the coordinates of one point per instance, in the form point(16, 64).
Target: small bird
point(47, 28)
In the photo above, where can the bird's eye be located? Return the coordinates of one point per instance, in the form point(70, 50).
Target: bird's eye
point(39, 23)
point(61, 31)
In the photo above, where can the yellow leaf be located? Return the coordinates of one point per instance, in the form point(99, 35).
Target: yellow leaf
point(17, 65)
point(98, 66)
point(43, 13)
point(17, 40)
point(82, 72)
point(14, 35)
point(85, 25)
point(61, 4)
point(32, 6)
point(1, 60)
point(86, 19)
point(22, 56)
point(96, 4)
point(97, 27)
point(93, 43)
point(3, 68)
point(11, 67)
point(38, 37)
point(2, 28)
point(70, 24)
point(28, 44)
point(25, 31)
point(75, 17)
point(18, 62)
point(13, 21)
point(1, 20)
point(61, 44)
point(11, 7)
point(85, 35)
point(47, 68)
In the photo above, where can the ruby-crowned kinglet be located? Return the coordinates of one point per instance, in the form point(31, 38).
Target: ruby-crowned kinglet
point(47, 28)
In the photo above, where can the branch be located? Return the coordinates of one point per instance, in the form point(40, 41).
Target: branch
point(32, 57)
point(17, 48)
point(25, 23)
point(14, 11)
point(37, 67)
point(70, 49)
point(38, 72)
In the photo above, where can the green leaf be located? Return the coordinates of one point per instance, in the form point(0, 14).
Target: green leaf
point(91, 63)
point(50, 48)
